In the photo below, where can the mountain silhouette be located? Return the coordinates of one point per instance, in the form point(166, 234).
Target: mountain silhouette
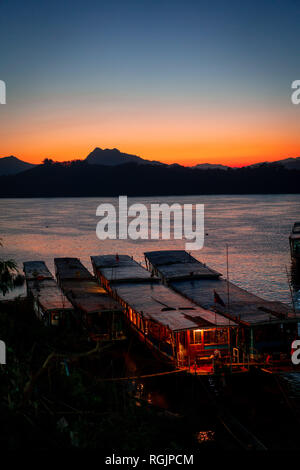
point(289, 163)
point(210, 166)
point(12, 165)
point(112, 157)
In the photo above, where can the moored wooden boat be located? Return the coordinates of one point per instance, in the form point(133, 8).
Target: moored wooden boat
point(99, 313)
point(265, 327)
point(173, 327)
point(49, 303)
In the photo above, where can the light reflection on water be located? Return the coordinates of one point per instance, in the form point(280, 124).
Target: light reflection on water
point(256, 227)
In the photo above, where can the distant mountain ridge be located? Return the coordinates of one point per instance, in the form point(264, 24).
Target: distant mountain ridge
point(210, 166)
point(81, 179)
point(114, 157)
point(13, 165)
point(289, 163)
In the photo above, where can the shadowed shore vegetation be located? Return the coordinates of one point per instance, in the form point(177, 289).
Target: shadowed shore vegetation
point(79, 178)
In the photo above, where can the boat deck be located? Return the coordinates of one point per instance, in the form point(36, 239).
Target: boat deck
point(48, 297)
point(215, 293)
point(81, 288)
point(244, 307)
point(121, 268)
point(161, 304)
point(153, 300)
point(100, 314)
point(179, 264)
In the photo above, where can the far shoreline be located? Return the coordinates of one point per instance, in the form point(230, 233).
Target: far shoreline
point(151, 196)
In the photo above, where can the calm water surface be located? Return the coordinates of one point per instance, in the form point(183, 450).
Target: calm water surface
point(256, 228)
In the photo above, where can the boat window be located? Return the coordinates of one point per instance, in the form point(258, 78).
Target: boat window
point(218, 336)
point(221, 336)
point(195, 337)
point(209, 336)
point(167, 309)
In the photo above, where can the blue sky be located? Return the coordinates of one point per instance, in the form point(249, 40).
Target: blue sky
point(68, 60)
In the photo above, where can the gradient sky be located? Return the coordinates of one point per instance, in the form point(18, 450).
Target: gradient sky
point(176, 81)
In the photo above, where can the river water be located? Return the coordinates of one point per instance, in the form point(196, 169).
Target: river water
point(255, 227)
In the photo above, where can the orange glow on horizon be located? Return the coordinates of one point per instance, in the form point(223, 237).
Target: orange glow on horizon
point(234, 137)
point(184, 154)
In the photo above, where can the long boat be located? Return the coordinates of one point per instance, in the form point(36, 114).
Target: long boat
point(294, 240)
point(49, 303)
point(265, 327)
point(174, 328)
point(99, 313)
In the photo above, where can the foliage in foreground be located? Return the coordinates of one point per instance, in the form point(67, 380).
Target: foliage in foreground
point(68, 406)
point(7, 270)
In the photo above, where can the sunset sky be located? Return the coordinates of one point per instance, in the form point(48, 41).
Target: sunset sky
point(175, 81)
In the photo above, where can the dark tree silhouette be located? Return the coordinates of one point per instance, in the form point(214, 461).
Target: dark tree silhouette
point(7, 270)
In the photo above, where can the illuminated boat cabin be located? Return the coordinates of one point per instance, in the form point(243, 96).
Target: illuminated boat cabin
point(172, 326)
point(98, 312)
point(49, 303)
point(264, 326)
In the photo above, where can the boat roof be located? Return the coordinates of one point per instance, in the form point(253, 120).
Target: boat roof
point(243, 305)
point(89, 296)
point(41, 284)
point(49, 295)
point(178, 264)
point(121, 268)
point(153, 300)
point(83, 292)
point(159, 303)
point(71, 268)
point(36, 269)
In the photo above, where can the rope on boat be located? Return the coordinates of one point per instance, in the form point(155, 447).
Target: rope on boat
point(136, 377)
point(158, 374)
